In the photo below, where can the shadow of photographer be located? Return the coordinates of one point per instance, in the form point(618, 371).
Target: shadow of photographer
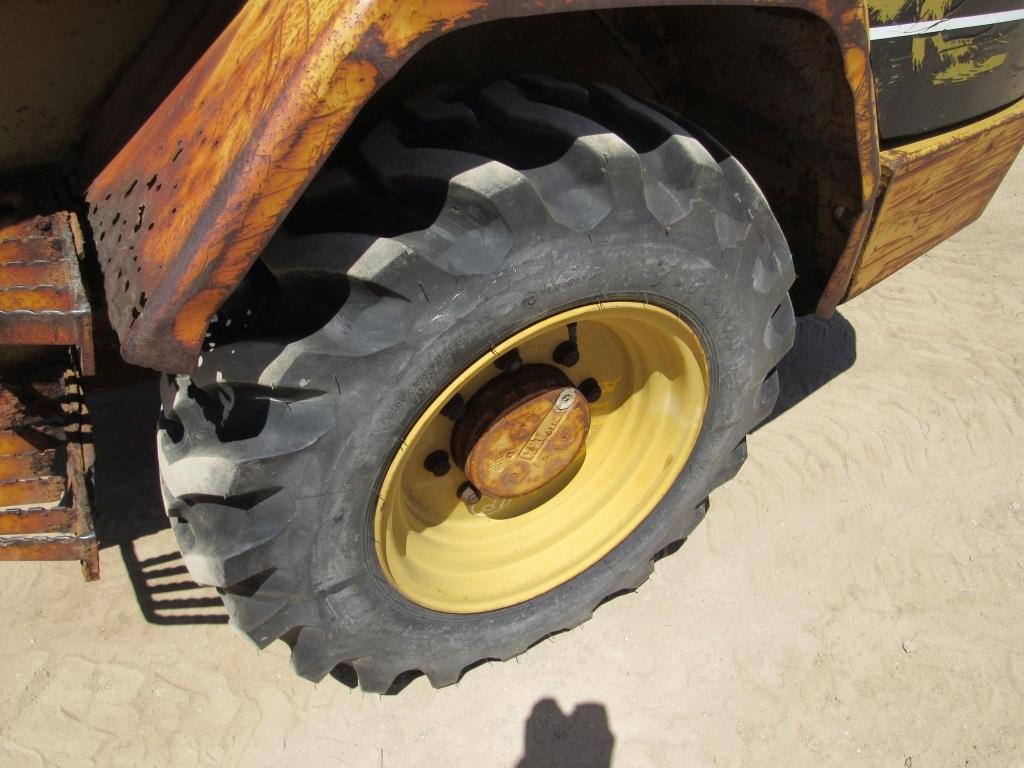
point(581, 739)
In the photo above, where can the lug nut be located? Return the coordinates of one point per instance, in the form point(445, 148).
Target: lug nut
point(455, 409)
point(437, 463)
point(590, 389)
point(510, 362)
point(469, 494)
point(566, 354)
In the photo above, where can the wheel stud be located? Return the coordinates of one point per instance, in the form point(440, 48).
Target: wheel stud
point(437, 463)
point(455, 409)
point(510, 362)
point(590, 389)
point(469, 494)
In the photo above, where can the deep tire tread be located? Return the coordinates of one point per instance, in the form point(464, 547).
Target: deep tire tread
point(613, 156)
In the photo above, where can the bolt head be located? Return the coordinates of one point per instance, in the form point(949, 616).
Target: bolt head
point(566, 354)
point(591, 390)
point(469, 494)
point(455, 409)
point(437, 463)
point(510, 362)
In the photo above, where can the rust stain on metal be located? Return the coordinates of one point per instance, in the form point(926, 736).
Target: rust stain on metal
point(46, 459)
point(33, 274)
point(42, 298)
point(521, 431)
point(858, 73)
point(34, 464)
point(14, 443)
point(53, 520)
point(60, 547)
point(35, 298)
point(34, 491)
point(410, 22)
point(20, 248)
point(185, 208)
point(30, 404)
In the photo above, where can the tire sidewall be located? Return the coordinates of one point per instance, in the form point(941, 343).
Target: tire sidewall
point(687, 274)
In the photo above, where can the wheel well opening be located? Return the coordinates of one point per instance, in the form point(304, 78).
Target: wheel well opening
point(771, 89)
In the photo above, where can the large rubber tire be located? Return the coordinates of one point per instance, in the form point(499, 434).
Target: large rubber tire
point(272, 453)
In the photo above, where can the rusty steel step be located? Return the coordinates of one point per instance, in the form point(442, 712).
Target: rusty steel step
point(46, 461)
point(42, 298)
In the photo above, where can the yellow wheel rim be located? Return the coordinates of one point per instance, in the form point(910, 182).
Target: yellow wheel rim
point(448, 556)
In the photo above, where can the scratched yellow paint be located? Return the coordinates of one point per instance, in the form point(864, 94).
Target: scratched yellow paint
point(924, 10)
point(887, 10)
point(931, 10)
point(958, 58)
point(959, 71)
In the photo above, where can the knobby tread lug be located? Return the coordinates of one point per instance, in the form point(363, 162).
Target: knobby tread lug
point(219, 554)
point(309, 659)
point(732, 463)
point(507, 192)
point(597, 170)
point(322, 255)
point(675, 164)
point(475, 230)
point(684, 520)
point(261, 616)
point(780, 331)
point(440, 677)
point(557, 93)
point(287, 429)
point(336, 186)
point(398, 167)
point(506, 108)
point(249, 586)
point(265, 620)
point(483, 201)
point(436, 119)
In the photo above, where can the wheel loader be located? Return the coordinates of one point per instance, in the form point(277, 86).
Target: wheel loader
point(460, 308)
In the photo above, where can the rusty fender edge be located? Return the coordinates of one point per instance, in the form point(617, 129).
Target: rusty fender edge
point(184, 209)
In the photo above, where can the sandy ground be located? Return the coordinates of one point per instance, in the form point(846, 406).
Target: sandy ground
point(855, 597)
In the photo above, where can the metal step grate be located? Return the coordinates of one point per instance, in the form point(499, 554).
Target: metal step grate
point(46, 452)
point(46, 462)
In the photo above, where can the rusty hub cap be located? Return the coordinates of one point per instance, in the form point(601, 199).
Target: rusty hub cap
point(521, 431)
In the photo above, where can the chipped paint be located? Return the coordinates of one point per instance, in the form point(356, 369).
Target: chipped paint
point(410, 21)
point(929, 196)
